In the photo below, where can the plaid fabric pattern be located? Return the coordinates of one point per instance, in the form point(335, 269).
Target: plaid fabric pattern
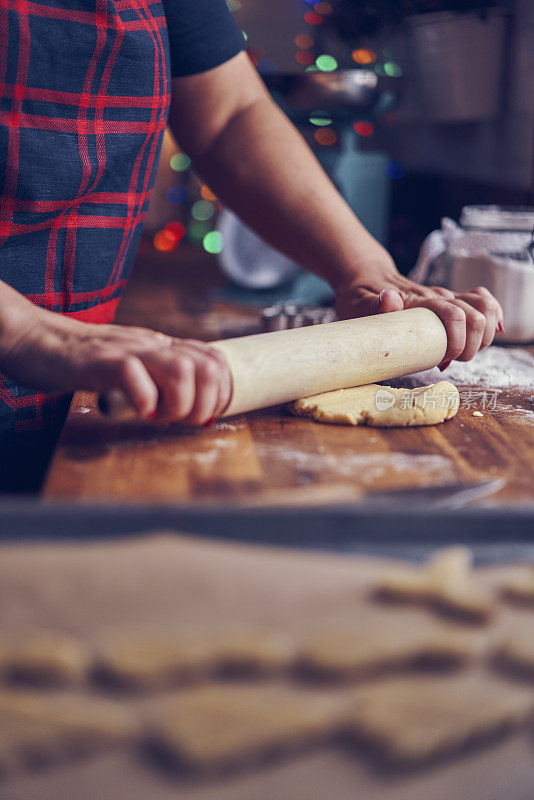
point(84, 96)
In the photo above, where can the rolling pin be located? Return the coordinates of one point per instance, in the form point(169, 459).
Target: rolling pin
point(272, 368)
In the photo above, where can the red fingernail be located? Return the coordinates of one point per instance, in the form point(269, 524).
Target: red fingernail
point(444, 366)
point(152, 414)
point(501, 327)
point(210, 422)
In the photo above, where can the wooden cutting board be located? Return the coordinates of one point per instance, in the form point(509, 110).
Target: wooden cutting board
point(269, 456)
point(172, 580)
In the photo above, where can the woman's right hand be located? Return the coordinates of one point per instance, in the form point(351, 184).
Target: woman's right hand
point(164, 377)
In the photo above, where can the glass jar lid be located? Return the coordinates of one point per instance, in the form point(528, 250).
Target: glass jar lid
point(498, 218)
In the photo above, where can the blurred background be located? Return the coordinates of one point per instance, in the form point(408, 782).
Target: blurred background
point(415, 109)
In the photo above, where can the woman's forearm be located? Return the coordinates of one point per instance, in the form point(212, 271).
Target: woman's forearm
point(161, 376)
point(261, 167)
point(17, 314)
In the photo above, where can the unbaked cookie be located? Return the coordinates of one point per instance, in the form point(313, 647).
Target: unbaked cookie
point(38, 728)
point(516, 651)
point(253, 651)
point(43, 657)
point(382, 406)
point(361, 654)
point(519, 585)
point(154, 659)
point(158, 659)
point(412, 720)
point(229, 725)
point(445, 582)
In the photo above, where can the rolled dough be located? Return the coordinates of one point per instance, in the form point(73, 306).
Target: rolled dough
point(382, 406)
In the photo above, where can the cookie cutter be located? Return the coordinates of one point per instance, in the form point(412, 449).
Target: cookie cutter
point(282, 316)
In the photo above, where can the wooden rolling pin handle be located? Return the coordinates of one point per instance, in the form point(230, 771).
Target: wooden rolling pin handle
point(273, 368)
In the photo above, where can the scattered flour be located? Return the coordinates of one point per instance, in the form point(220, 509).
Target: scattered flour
point(368, 466)
point(205, 459)
point(523, 414)
point(222, 443)
point(496, 367)
point(229, 426)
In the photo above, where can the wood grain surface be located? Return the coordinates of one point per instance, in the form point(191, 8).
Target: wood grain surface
point(269, 456)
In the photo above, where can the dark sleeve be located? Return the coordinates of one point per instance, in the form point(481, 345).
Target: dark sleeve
point(202, 35)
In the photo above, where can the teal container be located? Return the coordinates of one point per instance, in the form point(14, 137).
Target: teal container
point(362, 180)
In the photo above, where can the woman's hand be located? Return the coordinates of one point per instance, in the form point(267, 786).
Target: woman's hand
point(471, 318)
point(171, 379)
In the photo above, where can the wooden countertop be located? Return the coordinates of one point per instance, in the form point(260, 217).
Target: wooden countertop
point(269, 456)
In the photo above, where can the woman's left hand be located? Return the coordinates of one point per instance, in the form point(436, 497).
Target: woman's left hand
point(471, 318)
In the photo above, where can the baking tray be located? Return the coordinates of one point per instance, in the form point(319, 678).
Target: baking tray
point(496, 534)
